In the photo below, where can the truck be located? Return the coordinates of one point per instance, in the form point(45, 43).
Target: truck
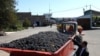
point(68, 49)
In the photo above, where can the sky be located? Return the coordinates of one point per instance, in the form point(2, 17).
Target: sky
point(58, 8)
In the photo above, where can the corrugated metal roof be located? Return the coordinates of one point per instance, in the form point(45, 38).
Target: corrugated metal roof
point(84, 16)
point(93, 11)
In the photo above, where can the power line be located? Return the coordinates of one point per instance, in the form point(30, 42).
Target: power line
point(95, 7)
point(68, 10)
point(87, 7)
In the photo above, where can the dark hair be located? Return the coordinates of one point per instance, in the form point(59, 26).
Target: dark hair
point(85, 42)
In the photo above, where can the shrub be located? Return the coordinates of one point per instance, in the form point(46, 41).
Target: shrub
point(26, 23)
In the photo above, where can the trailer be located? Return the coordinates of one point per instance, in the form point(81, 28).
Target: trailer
point(85, 21)
point(68, 49)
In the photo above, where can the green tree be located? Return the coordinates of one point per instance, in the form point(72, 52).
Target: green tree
point(8, 16)
point(26, 23)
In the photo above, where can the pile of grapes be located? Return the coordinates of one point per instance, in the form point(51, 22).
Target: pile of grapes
point(43, 41)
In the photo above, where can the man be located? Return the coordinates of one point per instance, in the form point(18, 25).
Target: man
point(82, 48)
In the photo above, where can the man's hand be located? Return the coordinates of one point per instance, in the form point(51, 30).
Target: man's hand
point(70, 38)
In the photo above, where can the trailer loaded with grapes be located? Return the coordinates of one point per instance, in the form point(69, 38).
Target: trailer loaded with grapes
point(49, 43)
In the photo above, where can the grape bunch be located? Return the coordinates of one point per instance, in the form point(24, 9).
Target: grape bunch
point(44, 41)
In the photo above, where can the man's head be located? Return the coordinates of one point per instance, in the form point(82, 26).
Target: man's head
point(84, 44)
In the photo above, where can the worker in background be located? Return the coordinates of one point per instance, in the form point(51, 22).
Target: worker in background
point(80, 29)
point(71, 29)
point(50, 25)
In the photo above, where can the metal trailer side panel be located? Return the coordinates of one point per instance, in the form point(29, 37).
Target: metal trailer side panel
point(65, 50)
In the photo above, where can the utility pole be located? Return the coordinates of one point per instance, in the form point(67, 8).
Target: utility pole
point(91, 20)
point(49, 15)
point(90, 7)
point(84, 11)
point(49, 9)
point(86, 7)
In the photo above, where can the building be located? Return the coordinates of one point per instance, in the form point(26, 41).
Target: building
point(23, 15)
point(93, 12)
point(87, 20)
point(36, 20)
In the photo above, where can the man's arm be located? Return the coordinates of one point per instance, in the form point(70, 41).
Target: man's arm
point(76, 42)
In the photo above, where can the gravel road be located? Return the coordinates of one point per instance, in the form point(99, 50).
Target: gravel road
point(23, 33)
